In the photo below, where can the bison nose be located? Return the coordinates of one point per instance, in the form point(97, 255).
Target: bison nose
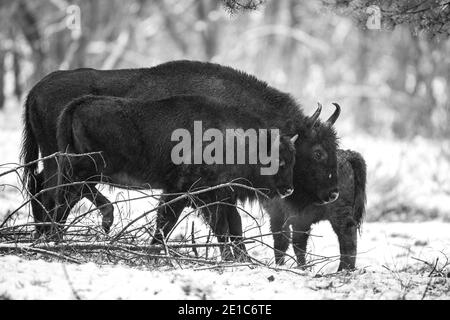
point(286, 193)
point(333, 196)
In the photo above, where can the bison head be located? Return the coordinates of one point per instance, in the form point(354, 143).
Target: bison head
point(281, 183)
point(315, 173)
point(283, 179)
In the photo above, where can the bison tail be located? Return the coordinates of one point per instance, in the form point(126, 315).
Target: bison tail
point(68, 141)
point(64, 132)
point(65, 136)
point(30, 149)
point(64, 126)
point(359, 169)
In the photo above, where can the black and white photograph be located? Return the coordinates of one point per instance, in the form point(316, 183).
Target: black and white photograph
point(248, 151)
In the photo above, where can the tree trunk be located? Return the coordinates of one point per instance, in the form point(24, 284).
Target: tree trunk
point(363, 112)
point(171, 28)
point(89, 17)
point(290, 44)
point(16, 69)
point(30, 29)
point(2, 78)
point(210, 32)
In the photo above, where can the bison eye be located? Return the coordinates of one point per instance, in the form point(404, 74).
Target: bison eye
point(317, 155)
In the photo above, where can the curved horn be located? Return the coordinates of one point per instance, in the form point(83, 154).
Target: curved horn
point(332, 119)
point(316, 114)
point(294, 138)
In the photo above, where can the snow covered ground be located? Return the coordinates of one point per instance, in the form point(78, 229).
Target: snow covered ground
point(387, 269)
point(407, 182)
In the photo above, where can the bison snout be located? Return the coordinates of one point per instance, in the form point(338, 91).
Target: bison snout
point(328, 197)
point(333, 196)
point(285, 193)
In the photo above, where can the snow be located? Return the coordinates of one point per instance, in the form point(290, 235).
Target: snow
point(386, 269)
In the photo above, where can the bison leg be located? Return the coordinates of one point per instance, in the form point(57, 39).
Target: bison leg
point(44, 205)
point(235, 226)
point(103, 204)
point(166, 217)
point(301, 231)
point(67, 199)
point(67, 194)
point(218, 221)
point(38, 209)
point(281, 236)
point(346, 231)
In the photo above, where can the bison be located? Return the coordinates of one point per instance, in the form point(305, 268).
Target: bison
point(231, 87)
point(345, 214)
point(135, 139)
point(322, 140)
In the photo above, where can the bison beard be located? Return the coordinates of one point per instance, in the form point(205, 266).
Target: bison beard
point(345, 214)
point(134, 138)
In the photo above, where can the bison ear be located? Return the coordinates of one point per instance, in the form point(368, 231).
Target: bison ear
point(313, 119)
point(273, 137)
point(294, 138)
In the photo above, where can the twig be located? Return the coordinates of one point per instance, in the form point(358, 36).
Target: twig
point(160, 256)
point(51, 253)
point(207, 241)
point(107, 246)
point(53, 155)
point(72, 288)
point(194, 249)
point(231, 265)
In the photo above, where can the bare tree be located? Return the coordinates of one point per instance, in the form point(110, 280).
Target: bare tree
point(209, 33)
point(2, 73)
point(27, 22)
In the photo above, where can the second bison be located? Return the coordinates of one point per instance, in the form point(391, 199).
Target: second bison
point(345, 214)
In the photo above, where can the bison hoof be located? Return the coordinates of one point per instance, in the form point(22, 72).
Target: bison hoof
point(303, 267)
point(36, 235)
point(227, 254)
point(346, 267)
point(243, 257)
point(108, 217)
point(55, 237)
point(106, 225)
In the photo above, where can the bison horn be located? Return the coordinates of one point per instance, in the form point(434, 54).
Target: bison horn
point(335, 115)
point(294, 138)
point(316, 115)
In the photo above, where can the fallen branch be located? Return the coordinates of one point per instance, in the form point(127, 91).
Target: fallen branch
point(50, 253)
point(106, 246)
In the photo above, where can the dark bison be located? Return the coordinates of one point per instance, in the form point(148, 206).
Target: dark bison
point(135, 140)
point(345, 214)
point(47, 99)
